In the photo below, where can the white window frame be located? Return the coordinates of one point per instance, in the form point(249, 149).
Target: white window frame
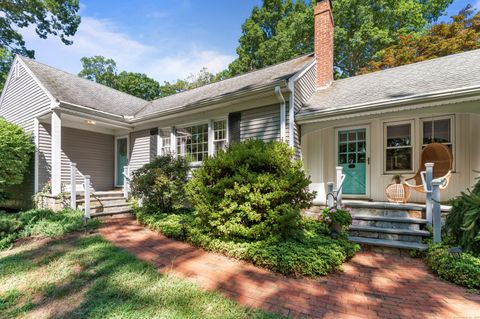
point(116, 159)
point(161, 141)
point(453, 143)
point(212, 122)
point(196, 163)
point(412, 139)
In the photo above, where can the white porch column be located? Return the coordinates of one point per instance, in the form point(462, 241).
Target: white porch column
point(56, 123)
point(211, 133)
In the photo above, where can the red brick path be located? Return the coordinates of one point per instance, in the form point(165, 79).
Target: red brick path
point(371, 286)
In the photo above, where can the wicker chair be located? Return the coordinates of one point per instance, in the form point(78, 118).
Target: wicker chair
point(441, 157)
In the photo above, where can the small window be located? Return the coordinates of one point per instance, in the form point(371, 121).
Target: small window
point(398, 147)
point(438, 130)
point(192, 142)
point(165, 142)
point(219, 135)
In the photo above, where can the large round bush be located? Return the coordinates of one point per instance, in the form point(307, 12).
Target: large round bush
point(16, 149)
point(254, 190)
point(161, 182)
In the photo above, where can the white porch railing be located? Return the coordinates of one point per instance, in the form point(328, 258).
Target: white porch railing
point(433, 208)
point(126, 182)
point(334, 193)
point(73, 186)
point(86, 187)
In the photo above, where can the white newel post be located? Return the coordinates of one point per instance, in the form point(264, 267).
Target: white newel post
point(73, 186)
point(339, 188)
point(330, 195)
point(87, 196)
point(437, 211)
point(56, 123)
point(126, 182)
point(428, 194)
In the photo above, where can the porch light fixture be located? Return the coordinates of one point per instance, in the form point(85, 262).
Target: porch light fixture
point(91, 122)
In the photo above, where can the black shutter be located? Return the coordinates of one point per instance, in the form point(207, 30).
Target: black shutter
point(234, 127)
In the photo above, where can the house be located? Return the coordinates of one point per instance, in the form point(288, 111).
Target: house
point(347, 122)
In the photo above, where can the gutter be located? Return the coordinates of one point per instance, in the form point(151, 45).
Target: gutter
point(283, 110)
point(325, 115)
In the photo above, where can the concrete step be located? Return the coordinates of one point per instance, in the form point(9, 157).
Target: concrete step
point(421, 233)
point(388, 243)
point(102, 199)
point(113, 212)
point(391, 219)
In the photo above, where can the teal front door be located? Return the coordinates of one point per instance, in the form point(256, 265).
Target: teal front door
point(121, 159)
point(352, 156)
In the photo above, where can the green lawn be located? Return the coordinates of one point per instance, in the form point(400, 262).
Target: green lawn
point(86, 277)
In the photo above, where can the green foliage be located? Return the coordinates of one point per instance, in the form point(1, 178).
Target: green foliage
point(104, 71)
point(191, 82)
point(462, 269)
point(336, 216)
point(313, 253)
point(463, 221)
point(16, 149)
point(253, 190)
point(282, 29)
point(459, 35)
point(39, 222)
point(52, 17)
point(160, 183)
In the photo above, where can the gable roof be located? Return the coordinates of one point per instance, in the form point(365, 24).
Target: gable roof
point(75, 90)
point(244, 82)
point(451, 72)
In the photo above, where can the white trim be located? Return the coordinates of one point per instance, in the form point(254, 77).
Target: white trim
point(395, 105)
point(283, 115)
point(116, 160)
point(210, 137)
point(36, 80)
point(36, 136)
point(413, 143)
point(56, 152)
point(367, 154)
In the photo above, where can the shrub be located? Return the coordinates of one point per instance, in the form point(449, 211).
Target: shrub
point(314, 253)
point(336, 216)
point(16, 148)
point(462, 269)
point(161, 182)
point(463, 222)
point(253, 190)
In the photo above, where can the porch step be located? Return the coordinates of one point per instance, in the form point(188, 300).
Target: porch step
point(421, 233)
point(113, 212)
point(95, 199)
point(391, 219)
point(388, 243)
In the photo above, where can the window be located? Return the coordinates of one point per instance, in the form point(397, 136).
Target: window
point(165, 143)
point(437, 130)
point(398, 147)
point(219, 135)
point(192, 142)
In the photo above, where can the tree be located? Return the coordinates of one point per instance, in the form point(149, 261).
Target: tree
point(99, 69)
point(16, 149)
point(280, 30)
point(462, 34)
point(191, 82)
point(50, 17)
point(6, 58)
point(104, 71)
point(137, 84)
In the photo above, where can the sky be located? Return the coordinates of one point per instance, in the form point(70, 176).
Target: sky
point(165, 39)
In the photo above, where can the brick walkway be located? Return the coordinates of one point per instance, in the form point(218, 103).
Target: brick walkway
point(371, 286)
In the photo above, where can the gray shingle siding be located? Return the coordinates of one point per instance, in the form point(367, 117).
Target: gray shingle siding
point(44, 154)
point(304, 89)
point(24, 100)
point(143, 148)
point(261, 123)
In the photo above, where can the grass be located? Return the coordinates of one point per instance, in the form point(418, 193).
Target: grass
point(87, 277)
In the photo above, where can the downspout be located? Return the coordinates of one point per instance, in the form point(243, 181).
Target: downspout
point(291, 113)
point(283, 112)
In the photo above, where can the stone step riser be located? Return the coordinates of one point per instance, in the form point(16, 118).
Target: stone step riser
point(388, 213)
point(376, 235)
point(385, 224)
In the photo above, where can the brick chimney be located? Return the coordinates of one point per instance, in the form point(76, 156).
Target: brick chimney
point(324, 44)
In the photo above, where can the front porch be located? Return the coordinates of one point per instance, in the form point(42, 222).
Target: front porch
point(99, 148)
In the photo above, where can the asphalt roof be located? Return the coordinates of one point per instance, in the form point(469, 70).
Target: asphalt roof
point(73, 89)
point(244, 82)
point(446, 73)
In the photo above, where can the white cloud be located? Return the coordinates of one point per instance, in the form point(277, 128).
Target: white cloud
point(171, 59)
